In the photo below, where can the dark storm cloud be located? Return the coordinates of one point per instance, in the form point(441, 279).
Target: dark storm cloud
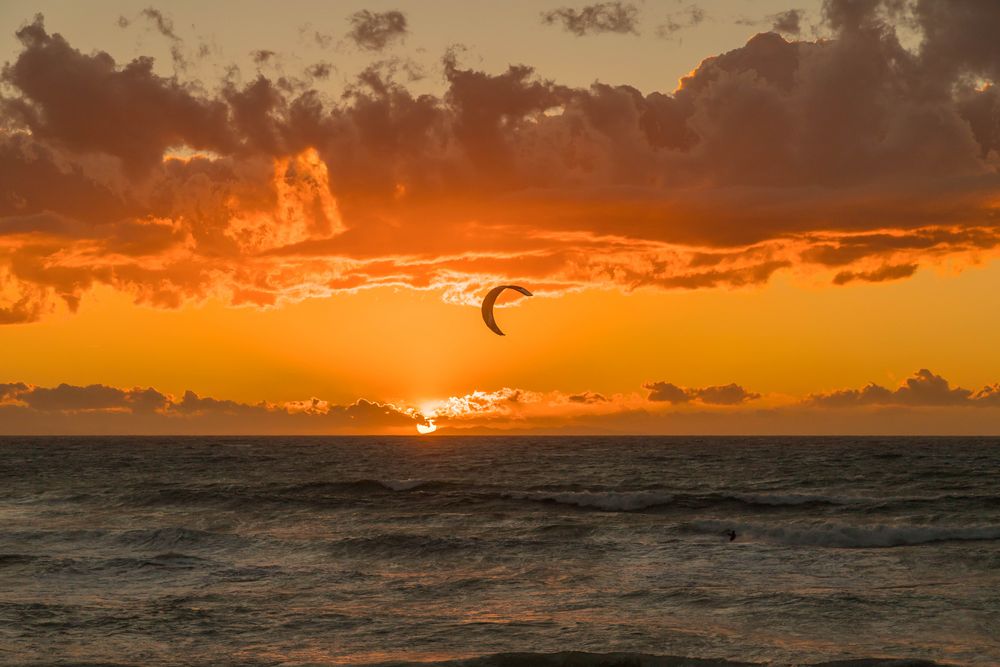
point(849, 155)
point(374, 31)
point(960, 37)
point(616, 17)
point(789, 22)
point(87, 103)
point(729, 394)
point(923, 389)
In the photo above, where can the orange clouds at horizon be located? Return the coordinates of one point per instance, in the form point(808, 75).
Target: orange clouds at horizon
point(665, 409)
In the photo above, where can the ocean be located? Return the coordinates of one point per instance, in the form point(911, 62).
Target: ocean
point(499, 551)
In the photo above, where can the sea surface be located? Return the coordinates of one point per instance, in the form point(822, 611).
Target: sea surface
point(499, 551)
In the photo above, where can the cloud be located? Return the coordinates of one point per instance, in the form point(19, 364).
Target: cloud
point(504, 403)
point(887, 272)
point(374, 31)
point(10, 390)
point(988, 395)
point(788, 22)
point(730, 394)
point(162, 23)
point(849, 157)
point(69, 398)
point(616, 17)
point(959, 37)
point(309, 34)
point(923, 389)
point(262, 56)
point(508, 408)
point(64, 93)
point(691, 16)
point(104, 409)
point(320, 70)
point(164, 26)
point(667, 392)
point(588, 397)
point(924, 403)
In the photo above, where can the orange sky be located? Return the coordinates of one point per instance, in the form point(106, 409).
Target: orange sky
point(808, 213)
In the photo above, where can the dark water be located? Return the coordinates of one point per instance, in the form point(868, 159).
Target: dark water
point(366, 550)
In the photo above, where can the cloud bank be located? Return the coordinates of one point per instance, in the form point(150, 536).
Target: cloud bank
point(922, 389)
point(923, 403)
point(730, 394)
point(850, 159)
point(96, 408)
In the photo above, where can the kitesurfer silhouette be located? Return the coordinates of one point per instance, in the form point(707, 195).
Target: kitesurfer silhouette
point(491, 298)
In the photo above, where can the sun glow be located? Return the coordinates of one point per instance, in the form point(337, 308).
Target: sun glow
point(430, 427)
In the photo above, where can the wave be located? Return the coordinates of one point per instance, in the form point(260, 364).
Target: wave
point(326, 494)
point(628, 501)
point(584, 659)
point(353, 486)
point(838, 535)
point(238, 496)
point(634, 501)
point(166, 561)
point(792, 499)
point(401, 544)
point(7, 560)
point(166, 540)
point(404, 484)
point(980, 500)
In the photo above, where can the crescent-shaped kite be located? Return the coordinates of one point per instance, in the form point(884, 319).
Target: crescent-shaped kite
point(491, 298)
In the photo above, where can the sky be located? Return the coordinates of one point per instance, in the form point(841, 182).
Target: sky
point(735, 217)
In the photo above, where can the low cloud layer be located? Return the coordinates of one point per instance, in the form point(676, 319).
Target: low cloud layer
point(730, 394)
point(97, 408)
point(846, 159)
point(923, 389)
point(923, 403)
